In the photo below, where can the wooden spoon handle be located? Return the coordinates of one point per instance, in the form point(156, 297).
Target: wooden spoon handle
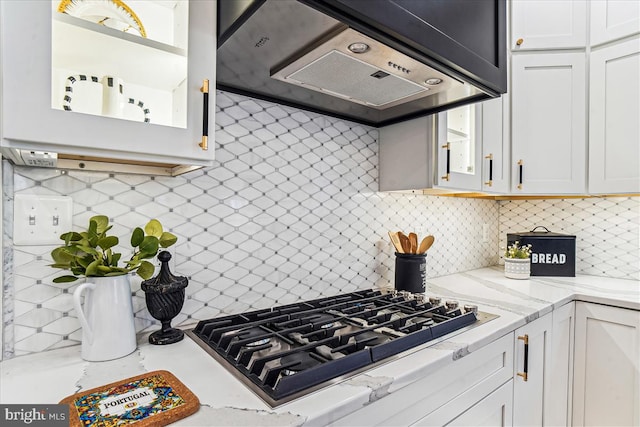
point(396, 241)
point(404, 240)
point(413, 239)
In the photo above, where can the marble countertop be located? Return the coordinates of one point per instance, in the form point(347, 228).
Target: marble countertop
point(50, 376)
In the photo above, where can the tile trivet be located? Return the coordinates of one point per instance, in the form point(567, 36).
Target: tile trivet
point(156, 398)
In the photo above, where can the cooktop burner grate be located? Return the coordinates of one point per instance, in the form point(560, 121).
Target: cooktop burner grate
point(288, 351)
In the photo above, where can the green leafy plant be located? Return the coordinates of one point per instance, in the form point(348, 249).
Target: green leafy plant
point(517, 251)
point(90, 253)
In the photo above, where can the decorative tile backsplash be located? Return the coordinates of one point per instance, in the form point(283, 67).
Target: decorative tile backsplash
point(607, 230)
point(289, 211)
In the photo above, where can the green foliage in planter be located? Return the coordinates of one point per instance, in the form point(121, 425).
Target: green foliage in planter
point(515, 251)
point(90, 253)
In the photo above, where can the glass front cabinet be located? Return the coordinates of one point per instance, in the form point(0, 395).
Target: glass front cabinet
point(109, 80)
point(460, 147)
point(473, 147)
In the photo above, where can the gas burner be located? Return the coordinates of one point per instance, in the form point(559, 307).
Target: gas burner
point(286, 352)
point(302, 361)
point(325, 321)
point(375, 338)
point(420, 321)
point(253, 332)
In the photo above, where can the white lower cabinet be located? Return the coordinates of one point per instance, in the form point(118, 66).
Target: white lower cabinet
point(543, 364)
point(531, 376)
point(449, 393)
point(578, 365)
point(493, 410)
point(606, 370)
point(557, 394)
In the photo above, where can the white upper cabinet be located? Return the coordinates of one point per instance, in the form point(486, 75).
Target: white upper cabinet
point(473, 147)
point(496, 145)
point(613, 19)
point(109, 81)
point(548, 147)
point(405, 155)
point(614, 109)
point(460, 148)
point(545, 24)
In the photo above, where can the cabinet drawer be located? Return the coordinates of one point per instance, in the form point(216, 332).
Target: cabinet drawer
point(467, 380)
point(493, 410)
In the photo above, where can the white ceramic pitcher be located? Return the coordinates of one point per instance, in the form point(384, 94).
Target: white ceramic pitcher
point(108, 331)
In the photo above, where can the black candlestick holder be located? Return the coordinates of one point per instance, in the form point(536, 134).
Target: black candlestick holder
point(164, 295)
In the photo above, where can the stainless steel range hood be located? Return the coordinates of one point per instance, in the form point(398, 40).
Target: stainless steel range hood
point(378, 77)
point(291, 53)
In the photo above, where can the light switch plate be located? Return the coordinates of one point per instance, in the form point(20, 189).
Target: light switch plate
point(40, 220)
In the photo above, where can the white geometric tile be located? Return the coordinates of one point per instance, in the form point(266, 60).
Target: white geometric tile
point(607, 230)
point(38, 317)
point(22, 332)
point(289, 211)
point(37, 293)
point(63, 326)
point(37, 342)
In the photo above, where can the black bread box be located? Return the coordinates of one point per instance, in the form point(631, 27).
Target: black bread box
point(552, 254)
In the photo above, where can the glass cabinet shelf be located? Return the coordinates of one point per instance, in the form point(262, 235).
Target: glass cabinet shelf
point(94, 49)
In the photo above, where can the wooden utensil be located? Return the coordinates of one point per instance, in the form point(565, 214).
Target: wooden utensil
point(404, 240)
point(395, 239)
point(426, 244)
point(413, 240)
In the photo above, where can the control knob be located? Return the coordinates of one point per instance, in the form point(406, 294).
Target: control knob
point(471, 308)
point(451, 305)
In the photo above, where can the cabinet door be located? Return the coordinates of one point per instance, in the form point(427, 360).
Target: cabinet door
point(543, 24)
point(49, 58)
point(460, 148)
point(548, 123)
point(494, 410)
point(496, 145)
point(614, 108)
point(558, 392)
point(532, 355)
point(613, 19)
point(607, 362)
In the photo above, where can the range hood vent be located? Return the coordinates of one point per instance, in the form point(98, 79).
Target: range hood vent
point(378, 77)
point(359, 82)
point(297, 53)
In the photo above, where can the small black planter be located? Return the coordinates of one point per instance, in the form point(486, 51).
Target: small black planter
point(164, 295)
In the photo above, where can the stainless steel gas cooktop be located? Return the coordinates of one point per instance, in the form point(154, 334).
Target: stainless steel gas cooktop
point(286, 352)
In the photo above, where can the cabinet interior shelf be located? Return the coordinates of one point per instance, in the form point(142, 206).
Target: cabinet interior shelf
point(95, 49)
